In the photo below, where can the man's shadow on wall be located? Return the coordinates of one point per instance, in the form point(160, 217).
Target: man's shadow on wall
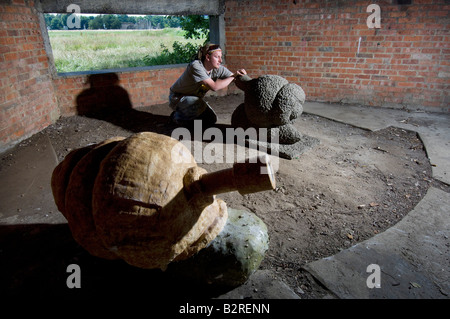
point(106, 100)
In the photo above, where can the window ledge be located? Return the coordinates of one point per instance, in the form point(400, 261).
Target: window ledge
point(122, 70)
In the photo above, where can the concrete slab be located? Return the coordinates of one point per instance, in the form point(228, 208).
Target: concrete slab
point(363, 117)
point(263, 284)
point(413, 257)
point(433, 128)
point(25, 191)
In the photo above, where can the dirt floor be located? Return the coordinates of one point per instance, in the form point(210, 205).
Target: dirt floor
point(350, 187)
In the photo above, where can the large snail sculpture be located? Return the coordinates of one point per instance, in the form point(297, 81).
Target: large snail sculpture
point(145, 200)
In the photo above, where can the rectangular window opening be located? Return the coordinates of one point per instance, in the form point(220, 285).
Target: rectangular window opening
point(95, 42)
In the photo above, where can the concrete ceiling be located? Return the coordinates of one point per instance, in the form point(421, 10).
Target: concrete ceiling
point(147, 7)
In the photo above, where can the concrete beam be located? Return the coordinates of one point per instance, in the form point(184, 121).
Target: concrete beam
point(217, 31)
point(147, 7)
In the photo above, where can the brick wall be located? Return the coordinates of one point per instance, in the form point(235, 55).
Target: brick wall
point(27, 102)
point(144, 88)
point(31, 98)
point(405, 63)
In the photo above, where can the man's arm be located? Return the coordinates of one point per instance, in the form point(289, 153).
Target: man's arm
point(220, 84)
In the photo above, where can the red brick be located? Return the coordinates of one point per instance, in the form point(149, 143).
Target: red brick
point(399, 62)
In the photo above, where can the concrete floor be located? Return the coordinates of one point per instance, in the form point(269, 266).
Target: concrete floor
point(412, 256)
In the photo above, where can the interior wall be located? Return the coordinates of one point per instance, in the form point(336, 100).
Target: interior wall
point(143, 87)
point(327, 48)
point(324, 46)
point(33, 95)
point(27, 97)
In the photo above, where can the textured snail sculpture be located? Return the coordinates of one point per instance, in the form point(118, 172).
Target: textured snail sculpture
point(271, 102)
point(143, 199)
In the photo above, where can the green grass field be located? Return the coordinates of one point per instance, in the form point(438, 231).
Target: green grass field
point(107, 49)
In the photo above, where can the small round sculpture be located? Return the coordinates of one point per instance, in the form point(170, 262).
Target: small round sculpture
point(271, 102)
